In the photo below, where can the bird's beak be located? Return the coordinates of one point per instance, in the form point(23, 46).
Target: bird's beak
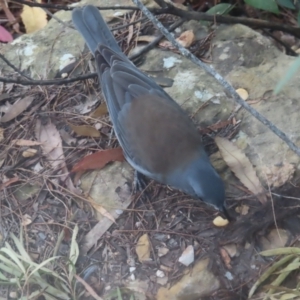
point(225, 212)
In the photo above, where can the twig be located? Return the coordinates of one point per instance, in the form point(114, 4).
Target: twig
point(210, 70)
point(156, 40)
point(13, 67)
point(47, 82)
point(64, 7)
point(198, 16)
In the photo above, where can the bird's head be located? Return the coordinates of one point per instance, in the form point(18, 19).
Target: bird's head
point(205, 183)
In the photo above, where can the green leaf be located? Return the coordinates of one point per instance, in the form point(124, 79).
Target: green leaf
point(220, 9)
point(119, 294)
point(281, 251)
point(267, 5)
point(286, 3)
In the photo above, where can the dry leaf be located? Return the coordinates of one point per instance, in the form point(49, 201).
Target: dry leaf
point(220, 222)
point(146, 38)
point(16, 109)
point(8, 182)
point(143, 248)
point(130, 29)
point(101, 209)
point(1, 134)
point(11, 18)
point(226, 258)
point(29, 152)
point(34, 18)
point(85, 130)
point(26, 220)
point(278, 175)
point(231, 249)
point(100, 111)
point(186, 38)
point(241, 167)
point(99, 159)
point(88, 288)
point(243, 94)
point(51, 145)
point(242, 209)
point(26, 143)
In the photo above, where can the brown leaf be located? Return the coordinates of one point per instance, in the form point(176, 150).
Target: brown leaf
point(130, 29)
point(8, 182)
point(1, 134)
point(85, 130)
point(143, 248)
point(226, 258)
point(28, 143)
point(99, 159)
point(51, 145)
point(16, 109)
point(34, 18)
point(101, 209)
point(146, 38)
point(11, 18)
point(100, 111)
point(186, 38)
point(278, 175)
point(29, 153)
point(26, 220)
point(241, 167)
point(88, 288)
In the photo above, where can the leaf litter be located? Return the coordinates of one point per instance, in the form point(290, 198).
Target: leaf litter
point(170, 220)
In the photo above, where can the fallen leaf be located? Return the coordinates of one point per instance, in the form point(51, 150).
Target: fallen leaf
point(11, 18)
point(88, 288)
point(220, 222)
point(51, 145)
point(1, 134)
point(29, 153)
point(146, 38)
point(242, 209)
point(100, 111)
point(16, 109)
point(8, 182)
point(26, 220)
point(85, 130)
point(226, 258)
point(278, 175)
point(142, 248)
point(162, 251)
point(26, 143)
point(231, 249)
point(5, 36)
point(99, 159)
point(130, 29)
point(34, 18)
point(101, 209)
point(241, 167)
point(186, 38)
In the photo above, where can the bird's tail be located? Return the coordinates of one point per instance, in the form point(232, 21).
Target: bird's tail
point(91, 25)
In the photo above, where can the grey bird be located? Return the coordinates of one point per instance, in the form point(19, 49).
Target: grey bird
point(158, 138)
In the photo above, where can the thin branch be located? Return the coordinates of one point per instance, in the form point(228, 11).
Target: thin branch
point(210, 70)
point(13, 67)
point(198, 16)
point(156, 40)
point(64, 7)
point(47, 82)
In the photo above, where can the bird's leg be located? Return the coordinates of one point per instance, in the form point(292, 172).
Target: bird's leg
point(139, 183)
